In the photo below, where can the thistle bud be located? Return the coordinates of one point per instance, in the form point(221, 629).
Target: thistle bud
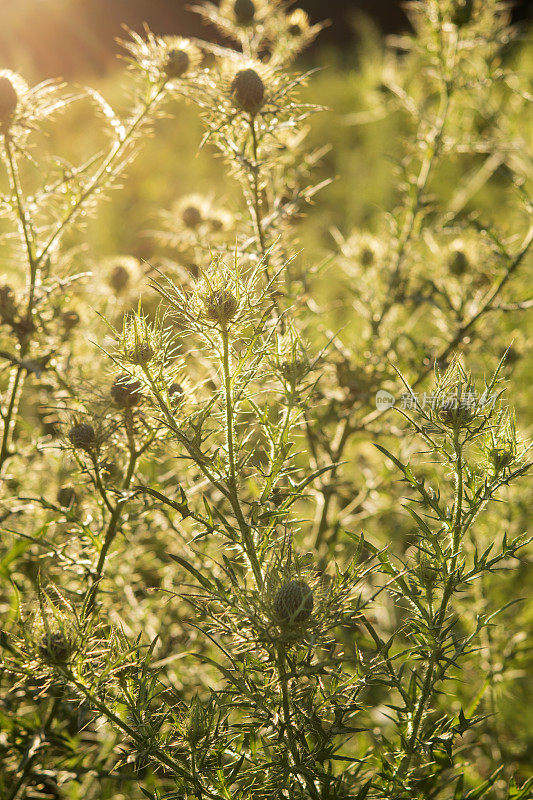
point(293, 603)
point(220, 306)
point(427, 571)
point(500, 458)
point(455, 415)
point(55, 648)
point(175, 392)
point(248, 90)
point(126, 392)
point(119, 278)
point(140, 353)
point(70, 319)
point(109, 470)
point(66, 496)
point(82, 436)
point(244, 11)
point(8, 101)
point(298, 23)
point(462, 12)
point(177, 63)
point(294, 370)
point(458, 263)
point(199, 722)
point(191, 217)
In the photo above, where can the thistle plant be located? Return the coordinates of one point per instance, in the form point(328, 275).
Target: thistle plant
point(260, 530)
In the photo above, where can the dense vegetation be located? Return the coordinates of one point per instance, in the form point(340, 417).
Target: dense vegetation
point(265, 490)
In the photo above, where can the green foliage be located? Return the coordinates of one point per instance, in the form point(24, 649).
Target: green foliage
point(263, 531)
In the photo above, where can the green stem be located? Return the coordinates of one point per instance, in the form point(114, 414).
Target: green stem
point(17, 383)
point(258, 219)
point(248, 543)
point(114, 521)
point(429, 682)
point(287, 722)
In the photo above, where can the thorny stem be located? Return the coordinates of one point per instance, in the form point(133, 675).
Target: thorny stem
point(429, 682)
point(287, 723)
point(116, 514)
point(199, 460)
point(258, 219)
point(248, 543)
point(18, 381)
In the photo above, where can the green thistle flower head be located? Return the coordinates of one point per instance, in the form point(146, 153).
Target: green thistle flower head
point(126, 391)
point(70, 319)
point(501, 458)
point(55, 648)
point(244, 11)
point(191, 216)
point(82, 436)
point(220, 306)
point(119, 278)
point(180, 57)
point(462, 12)
point(248, 90)
point(66, 496)
point(293, 603)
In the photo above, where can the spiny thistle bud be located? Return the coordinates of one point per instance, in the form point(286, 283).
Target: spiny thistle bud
point(367, 257)
point(458, 263)
point(8, 101)
point(500, 458)
point(462, 12)
point(199, 721)
point(55, 648)
point(82, 436)
point(126, 392)
point(455, 414)
point(294, 370)
point(427, 571)
point(177, 63)
point(191, 216)
point(175, 391)
point(216, 224)
point(244, 11)
point(293, 603)
point(66, 496)
point(248, 90)
point(220, 306)
point(70, 319)
point(140, 353)
point(119, 278)
point(298, 23)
